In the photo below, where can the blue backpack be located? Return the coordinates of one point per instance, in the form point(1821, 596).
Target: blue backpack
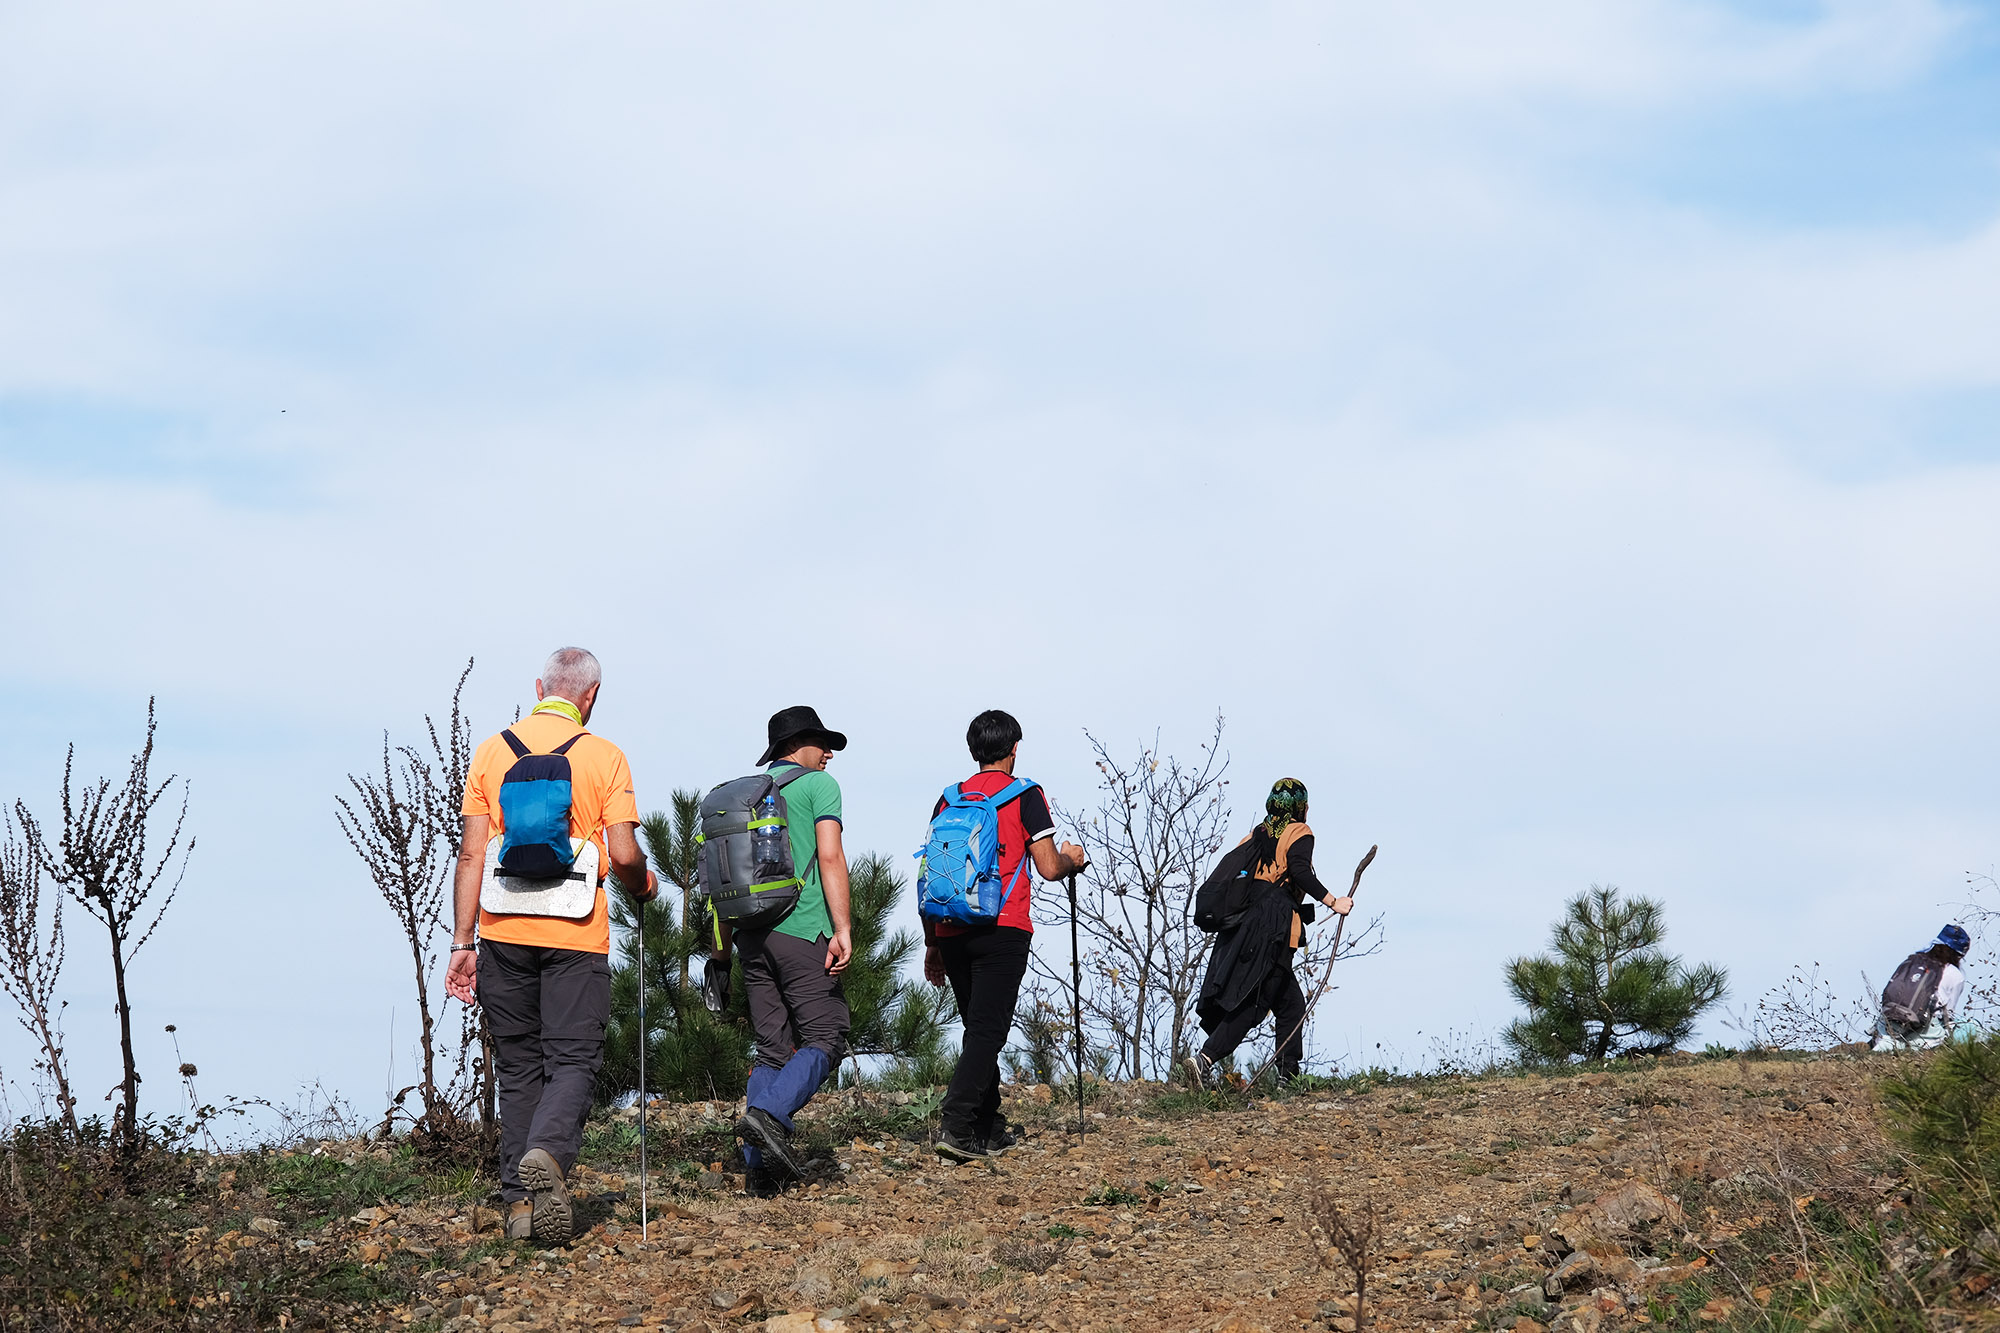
point(958, 873)
point(534, 813)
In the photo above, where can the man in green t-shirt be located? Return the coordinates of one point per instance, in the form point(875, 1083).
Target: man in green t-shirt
point(791, 970)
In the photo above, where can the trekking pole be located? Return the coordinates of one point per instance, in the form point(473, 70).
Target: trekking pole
point(644, 1227)
point(1325, 976)
point(1076, 1003)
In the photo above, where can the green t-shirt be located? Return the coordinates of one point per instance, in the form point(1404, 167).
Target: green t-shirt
point(808, 800)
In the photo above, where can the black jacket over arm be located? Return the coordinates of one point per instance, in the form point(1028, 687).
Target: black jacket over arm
point(1244, 955)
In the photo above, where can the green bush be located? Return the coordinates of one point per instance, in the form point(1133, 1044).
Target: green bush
point(1945, 1113)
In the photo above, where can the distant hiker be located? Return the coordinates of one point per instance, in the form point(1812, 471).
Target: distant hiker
point(782, 903)
point(974, 896)
point(548, 809)
point(1250, 969)
point(1922, 996)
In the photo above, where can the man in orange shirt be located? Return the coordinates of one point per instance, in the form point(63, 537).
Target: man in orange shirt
point(542, 966)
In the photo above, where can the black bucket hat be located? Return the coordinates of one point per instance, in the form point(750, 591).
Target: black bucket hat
point(797, 724)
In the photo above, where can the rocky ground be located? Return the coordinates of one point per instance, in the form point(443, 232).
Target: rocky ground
point(1576, 1202)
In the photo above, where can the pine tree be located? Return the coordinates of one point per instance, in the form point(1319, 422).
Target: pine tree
point(1606, 986)
point(690, 1053)
point(894, 1014)
point(693, 1054)
point(1945, 1114)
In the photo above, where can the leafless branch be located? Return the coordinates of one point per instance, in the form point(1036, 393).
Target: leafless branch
point(1157, 823)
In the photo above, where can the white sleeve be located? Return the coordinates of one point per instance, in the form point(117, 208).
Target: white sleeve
point(1951, 989)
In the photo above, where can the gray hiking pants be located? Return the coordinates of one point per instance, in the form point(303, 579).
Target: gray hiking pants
point(794, 1004)
point(546, 1009)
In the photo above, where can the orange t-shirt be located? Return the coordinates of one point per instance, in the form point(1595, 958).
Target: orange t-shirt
point(600, 796)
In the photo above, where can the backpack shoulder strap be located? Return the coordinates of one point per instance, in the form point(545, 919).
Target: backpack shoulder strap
point(514, 743)
point(1012, 791)
point(564, 747)
point(783, 780)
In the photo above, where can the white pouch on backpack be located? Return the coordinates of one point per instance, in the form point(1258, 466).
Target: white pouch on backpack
point(572, 896)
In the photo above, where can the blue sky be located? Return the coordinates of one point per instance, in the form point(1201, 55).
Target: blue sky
point(1564, 438)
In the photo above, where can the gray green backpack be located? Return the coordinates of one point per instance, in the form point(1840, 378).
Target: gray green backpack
point(744, 852)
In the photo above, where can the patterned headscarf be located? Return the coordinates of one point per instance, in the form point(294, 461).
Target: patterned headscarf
point(1286, 803)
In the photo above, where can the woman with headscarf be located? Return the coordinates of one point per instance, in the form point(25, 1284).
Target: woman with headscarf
point(1250, 969)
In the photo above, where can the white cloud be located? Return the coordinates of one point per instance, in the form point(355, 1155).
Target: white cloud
point(1306, 362)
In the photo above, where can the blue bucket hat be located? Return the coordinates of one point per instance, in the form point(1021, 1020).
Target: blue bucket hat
point(1955, 939)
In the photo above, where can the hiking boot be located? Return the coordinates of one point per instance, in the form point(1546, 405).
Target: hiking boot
point(761, 1129)
point(1201, 1070)
point(553, 1219)
point(953, 1148)
point(999, 1139)
point(521, 1220)
point(760, 1182)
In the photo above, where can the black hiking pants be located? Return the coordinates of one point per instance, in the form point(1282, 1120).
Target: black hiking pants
point(985, 967)
point(546, 1009)
point(1279, 997)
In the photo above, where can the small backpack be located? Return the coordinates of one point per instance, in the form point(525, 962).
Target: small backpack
point(534, 813)
point(744, 851)
point(1225, 895)
point(1911, 994)
point(958, 868)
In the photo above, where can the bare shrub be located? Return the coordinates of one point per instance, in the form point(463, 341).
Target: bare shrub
point(1348, 1236)
point(100, 857)
point(1805, 1013)
point(31, 959)
point(1981, 1005)
point(405, 827)
point(1042, 1017)
point(1156, 825)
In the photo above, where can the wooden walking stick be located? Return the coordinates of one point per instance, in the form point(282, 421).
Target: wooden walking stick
point(1324, 977)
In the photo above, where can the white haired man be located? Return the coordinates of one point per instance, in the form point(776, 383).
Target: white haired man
point(541, 964)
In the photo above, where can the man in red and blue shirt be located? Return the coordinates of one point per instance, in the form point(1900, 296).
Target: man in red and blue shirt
point(985, 964)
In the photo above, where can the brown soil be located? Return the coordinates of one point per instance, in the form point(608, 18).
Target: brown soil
point(1200, 1221)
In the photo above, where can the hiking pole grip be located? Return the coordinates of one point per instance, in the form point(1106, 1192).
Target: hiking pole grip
point(1076, 1003)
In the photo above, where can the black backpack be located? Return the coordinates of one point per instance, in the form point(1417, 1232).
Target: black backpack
point(1225, 895)
point(1911, 994)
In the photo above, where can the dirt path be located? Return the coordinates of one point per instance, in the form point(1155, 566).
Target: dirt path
point(1197, 1222)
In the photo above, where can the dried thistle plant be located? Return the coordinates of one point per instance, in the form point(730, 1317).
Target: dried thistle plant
point(100, 857)
point(32, 948)
point(1348, 1236)
point(405, 827)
